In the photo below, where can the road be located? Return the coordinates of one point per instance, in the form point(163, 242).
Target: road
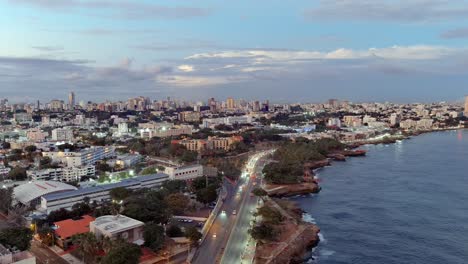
point(219, 235)
point(238, 243)
point(44, 255)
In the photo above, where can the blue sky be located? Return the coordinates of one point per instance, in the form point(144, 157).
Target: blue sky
point(361, 50)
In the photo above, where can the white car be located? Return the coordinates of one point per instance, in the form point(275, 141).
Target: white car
point(214, 235)
point(234, 212)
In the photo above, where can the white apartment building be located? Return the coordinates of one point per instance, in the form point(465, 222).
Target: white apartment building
point(62, 134)
point(408, 124)
point(162, 130)
point(425, 124)
point(67, 174)
point(128, 160)
point(86, 156)
point(334, 122)
point(184, 172)
point(230, 120)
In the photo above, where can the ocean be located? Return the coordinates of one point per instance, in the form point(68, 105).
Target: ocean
point(403, 203)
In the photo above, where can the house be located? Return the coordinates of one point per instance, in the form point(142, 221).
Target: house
point(118, 226)
point(66, 229)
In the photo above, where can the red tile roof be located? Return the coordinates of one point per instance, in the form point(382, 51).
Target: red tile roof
point(68, 228)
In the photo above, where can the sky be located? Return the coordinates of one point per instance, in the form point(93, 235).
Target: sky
point(285, 51)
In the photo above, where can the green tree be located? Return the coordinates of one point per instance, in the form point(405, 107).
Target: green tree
point(147, 207)
point(122, 252)
point(18, 174)
point(174, 231)
point(87, 246)
point(270, 215)
point(207, 195)
point(30, 148)
point(120, 193)
point(263, 232)
point(154, 236)
point(46, 234)
point(6, 199)
point(177, 202)
point(174, 186)
point(259, 192)
point(19, 237)
point(193, 235)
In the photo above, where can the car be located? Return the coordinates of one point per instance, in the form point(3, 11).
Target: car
point(214, 235)
point(234, 212)
point(223, 212)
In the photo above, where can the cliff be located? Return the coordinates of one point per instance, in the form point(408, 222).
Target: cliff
point(285, 190)
point(296, 238)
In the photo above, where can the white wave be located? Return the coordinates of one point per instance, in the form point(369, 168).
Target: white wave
point(326, 253)
point(322, 238)
point(308, 218)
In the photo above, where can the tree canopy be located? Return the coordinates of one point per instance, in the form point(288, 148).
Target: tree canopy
point(154, 236)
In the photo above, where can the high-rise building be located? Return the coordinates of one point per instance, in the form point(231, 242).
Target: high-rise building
point(230, 104)
point(466, 106)
point(71, 100)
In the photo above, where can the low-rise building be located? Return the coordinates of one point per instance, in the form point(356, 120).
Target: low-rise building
point(118, 227)
point(86, 156)
point(66, 174)
point(188, 116)
point(184, 172)
point(62, 134)
point(98, 193)
point(162, 130)
point(66, 229)
point(212, 143)
point(128, 160)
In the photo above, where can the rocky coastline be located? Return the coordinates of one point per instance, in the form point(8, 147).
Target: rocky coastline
point(306, 237)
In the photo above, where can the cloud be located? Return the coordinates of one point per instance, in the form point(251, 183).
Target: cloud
point(389, 10)
point(197, 81)
point(420, 52)
point(44, 78)
point(279, 74)
point(186, 68)
point(48, 48)
point(455, 33)
point(117, 8)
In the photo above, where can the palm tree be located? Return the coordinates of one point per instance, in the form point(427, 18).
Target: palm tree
point(106, 244)
point(87, 246)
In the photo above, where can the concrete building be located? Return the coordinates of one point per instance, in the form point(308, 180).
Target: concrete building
point(118, 227)
point(71, 100)
point(188, 116)
point(36, 135)
point(230, 120)
point(214, 143)
point(67, 174)
point(128, 160)
point(30, 193)
point(62, 134)
point(162, 130)
point(88, 156)
point(100, 193)
point(466, 106)
point(184, 172)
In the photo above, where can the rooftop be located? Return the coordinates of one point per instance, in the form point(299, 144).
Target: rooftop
point(27, 192)
point(116, 223)
point(106, 187)
point(68, 228)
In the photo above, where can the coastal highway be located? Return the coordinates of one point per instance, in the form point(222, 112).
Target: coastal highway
point(238, 241)
point(213, 247)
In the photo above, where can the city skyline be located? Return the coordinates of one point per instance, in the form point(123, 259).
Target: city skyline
point(301, 51)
